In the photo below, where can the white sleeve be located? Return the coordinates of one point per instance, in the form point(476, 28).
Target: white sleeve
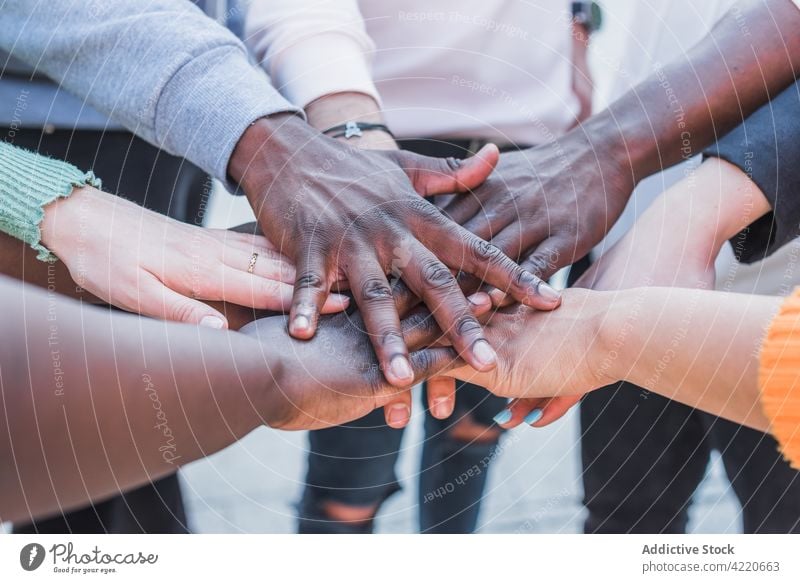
point(311, 48)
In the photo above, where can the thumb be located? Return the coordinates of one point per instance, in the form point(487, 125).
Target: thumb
point(170, 305)
point(431, 176)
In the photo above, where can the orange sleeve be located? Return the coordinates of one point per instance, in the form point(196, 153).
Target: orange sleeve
point(779, 378)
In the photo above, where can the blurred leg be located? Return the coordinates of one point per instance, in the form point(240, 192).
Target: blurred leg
point(350, 474)
point(455, 462)
point(643, 457)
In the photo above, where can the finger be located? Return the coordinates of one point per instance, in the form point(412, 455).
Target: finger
point(398, 412)
point(515, 412)
point(462, 208)
point(556, 408)
point(158, 301)
point(374, 298)
point(259, 261)
point(425, 363)
point(518, 240)
point(421, 329)
point(404, 298)
point(311, 290)
point(543, 263)
point(551, 255)
point(536, 412)
point(432, 281)
point(246, 237)
point(480, 258)
point(431, 176)
point(441, 396)
point(488, 263)
point(262, 293)
point(499, 214)
point(514, 242)
point(432, 362)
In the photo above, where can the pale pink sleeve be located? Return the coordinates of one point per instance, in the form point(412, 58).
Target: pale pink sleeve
point(311, 48)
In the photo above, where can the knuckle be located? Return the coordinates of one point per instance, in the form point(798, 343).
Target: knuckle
point(526, 278)
point(424, 209)
point(422, 361)
point(309, 280)
point(452, 163)
point(467, 325)
point(392, 337)
point(375, 218)
point(423, 323)
point(486, 252)
point(375, 289)
point(437, 276)
point(182, 311)
point(534, 266)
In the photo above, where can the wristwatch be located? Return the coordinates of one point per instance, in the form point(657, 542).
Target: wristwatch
point(589, 15)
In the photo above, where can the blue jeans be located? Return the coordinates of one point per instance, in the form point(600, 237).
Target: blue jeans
point(354, 464)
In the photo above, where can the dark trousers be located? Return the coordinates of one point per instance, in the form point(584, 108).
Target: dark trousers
point(644, 456)
point(142, 173)
point(354, 464)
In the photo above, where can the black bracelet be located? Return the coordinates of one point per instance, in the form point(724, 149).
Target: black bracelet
point(355, 129)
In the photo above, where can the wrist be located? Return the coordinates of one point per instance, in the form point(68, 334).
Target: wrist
point(371, 140)
point(264, 148)
point(618, 331)
point(338, 108)
point(64, 219)
point(738, 200)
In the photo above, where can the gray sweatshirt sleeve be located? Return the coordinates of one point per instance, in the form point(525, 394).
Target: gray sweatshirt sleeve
point(161, 68)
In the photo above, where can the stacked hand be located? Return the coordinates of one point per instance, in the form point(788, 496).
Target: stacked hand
point(361, 219)
point(548, 360)
point(144, 262)
point(334, 377)
point(548, 205)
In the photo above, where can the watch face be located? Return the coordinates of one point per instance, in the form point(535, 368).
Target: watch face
point(597, 16)
point(588, 14)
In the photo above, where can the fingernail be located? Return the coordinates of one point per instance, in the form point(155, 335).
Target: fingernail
point(441, 408)
point(398, 415)
point(212, 322)
point(483, 353)
point(479, 299)
point(401, 368)
point(549, 293)
point(301, 323)
point(503, 417)
point(533, 416)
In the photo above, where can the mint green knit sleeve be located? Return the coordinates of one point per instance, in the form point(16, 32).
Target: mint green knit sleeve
point(28, 182)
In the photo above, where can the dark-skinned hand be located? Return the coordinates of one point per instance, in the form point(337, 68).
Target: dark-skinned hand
point(343, 213)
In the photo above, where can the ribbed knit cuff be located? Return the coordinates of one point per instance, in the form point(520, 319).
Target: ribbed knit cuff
point(779, 378)
point(29, 182)
point(209, 103)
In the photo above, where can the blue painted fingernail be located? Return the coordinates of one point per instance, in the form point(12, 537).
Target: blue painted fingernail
point(503, 416)
point(533, 416)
